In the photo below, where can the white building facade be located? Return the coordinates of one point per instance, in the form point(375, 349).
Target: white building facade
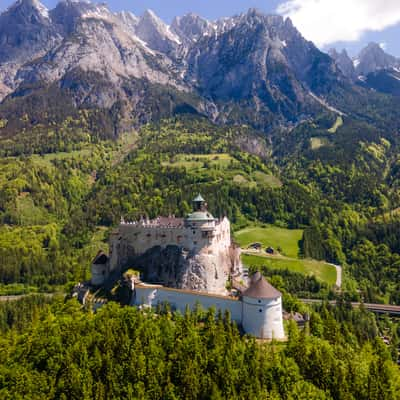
point(258, 311)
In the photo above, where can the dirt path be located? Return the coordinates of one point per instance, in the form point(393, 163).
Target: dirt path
point(339, 271)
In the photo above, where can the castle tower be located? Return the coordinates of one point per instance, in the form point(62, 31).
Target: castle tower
point(262, 310)
point(201, 218)
point(100, 269)
point(199, 203)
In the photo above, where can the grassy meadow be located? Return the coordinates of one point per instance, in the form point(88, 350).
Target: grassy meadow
point(288, 241)
point(321, 270)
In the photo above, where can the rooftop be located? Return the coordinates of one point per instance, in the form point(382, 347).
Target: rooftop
point(101, 258)
point(198, 199)
point(260, 288)
point(200, 216)
point(195, 292)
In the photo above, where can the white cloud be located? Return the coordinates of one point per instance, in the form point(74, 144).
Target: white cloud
point(383, 45)
point(328, 21)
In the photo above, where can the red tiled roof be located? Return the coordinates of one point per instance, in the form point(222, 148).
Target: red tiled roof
point(169, 221)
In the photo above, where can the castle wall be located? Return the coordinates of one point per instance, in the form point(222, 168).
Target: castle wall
point(152, 295)
point(133, 239)
point(263, 317)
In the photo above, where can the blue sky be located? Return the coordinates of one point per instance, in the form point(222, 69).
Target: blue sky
point(349, 24)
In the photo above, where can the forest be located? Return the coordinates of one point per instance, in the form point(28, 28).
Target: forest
point(58, 207)
point(60, 199)
point(54, 349)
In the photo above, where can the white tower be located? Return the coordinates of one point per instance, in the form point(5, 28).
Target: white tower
point(262, 310)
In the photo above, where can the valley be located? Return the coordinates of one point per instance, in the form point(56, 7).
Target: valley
point(110, 121)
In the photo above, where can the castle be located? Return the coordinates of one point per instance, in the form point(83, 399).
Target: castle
point(195, 252)
point(189, 261)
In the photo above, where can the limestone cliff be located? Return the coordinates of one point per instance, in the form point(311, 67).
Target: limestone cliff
point(173, 267)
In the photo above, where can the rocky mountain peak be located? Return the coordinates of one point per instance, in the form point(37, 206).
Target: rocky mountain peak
point(191, 27)
point(344, 63)
point(25, 29)
point(68, 12)
point(129, 19)
point(373, 58)
point(28, 11)
point(254, 13)
point(156, 33)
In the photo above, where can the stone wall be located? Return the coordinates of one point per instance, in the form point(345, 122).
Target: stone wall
point(186, 257)
point(261, 318)
point(152, 295)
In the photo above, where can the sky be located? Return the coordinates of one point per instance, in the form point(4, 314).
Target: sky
point(349, 24)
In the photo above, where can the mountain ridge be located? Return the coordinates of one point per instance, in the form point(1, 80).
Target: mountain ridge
point(251, 68)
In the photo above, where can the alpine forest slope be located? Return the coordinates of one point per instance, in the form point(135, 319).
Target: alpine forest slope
point(56, 350)
point(243, 109)
point(105, 114)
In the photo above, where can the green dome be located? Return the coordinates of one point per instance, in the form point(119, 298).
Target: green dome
point(200, 216)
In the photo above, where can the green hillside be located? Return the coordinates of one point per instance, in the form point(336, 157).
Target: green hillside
point(321, 270)
point(287, 240)
point(157, 170)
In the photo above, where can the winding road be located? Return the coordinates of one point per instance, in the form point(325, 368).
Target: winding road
point(339, 271)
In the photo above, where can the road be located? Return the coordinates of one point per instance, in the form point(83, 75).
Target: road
point(377, 308)
point(20, 296)
point(338, 275)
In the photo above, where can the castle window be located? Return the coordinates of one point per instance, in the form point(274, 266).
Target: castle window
point(148, 235)
point(194, 232)
point(259, 301)
point(195, 243)
point(260, 310)
point(164, 236)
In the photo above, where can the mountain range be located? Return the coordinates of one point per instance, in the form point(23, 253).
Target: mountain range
point(251, 69)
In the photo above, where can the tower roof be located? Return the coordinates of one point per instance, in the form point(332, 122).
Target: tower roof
point(101, 258)
point(199, 199)
point(200, 216)
point(260, 288)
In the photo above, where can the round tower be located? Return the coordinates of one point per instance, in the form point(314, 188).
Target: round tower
point(199, 203)
point(99, 269)
point(262, 310)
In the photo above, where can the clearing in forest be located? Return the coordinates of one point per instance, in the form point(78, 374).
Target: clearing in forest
point(272, 236)
point(288, 242)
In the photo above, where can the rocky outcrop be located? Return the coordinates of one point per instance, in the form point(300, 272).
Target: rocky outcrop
point(173, 267)
point(344, 62)
point(156, 34)
point(253, 68)
point(373, 58)
point(191, 27)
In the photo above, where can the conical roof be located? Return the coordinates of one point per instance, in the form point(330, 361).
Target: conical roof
point(261, 289)
point(101, 258)
point(199, 199)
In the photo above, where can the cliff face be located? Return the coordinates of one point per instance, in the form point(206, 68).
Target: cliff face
point(173, 267)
